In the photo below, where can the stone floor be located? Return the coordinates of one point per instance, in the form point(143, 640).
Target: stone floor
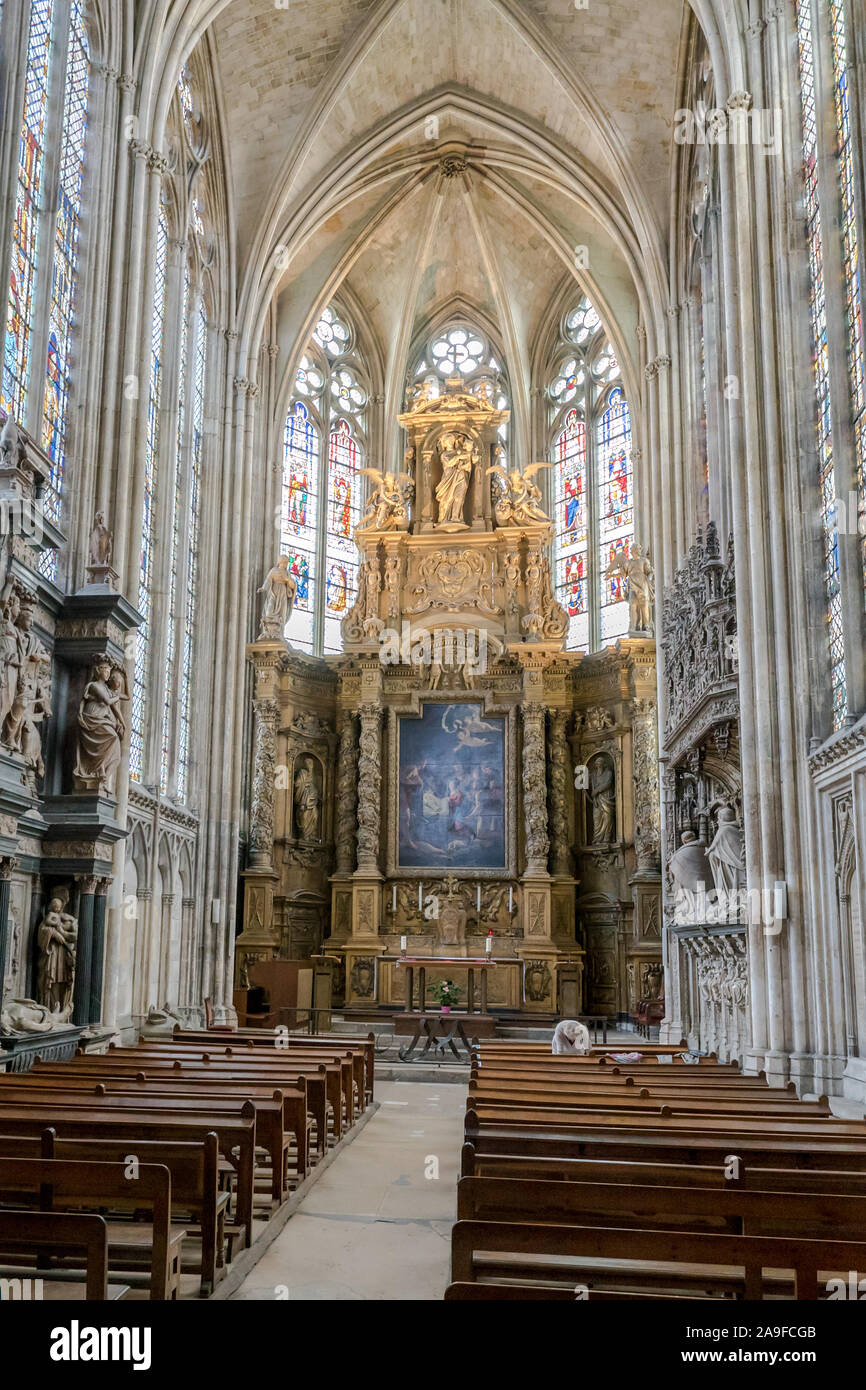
point(377, 1224)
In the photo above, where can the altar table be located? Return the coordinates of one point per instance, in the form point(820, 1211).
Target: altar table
point(421, 963)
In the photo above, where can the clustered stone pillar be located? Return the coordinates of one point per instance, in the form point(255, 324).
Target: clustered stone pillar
point(262, 809)
point(347, 765)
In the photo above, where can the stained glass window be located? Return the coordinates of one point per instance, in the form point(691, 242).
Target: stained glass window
point(615, 512)
point(344, 514)
point(151, 450)
point(299, 520)
point(28, 194)
point(177, 506)
point(570, 517)
point(591, 439)
point(820, 363)
point(197, 422)
point(322, 492)
point(851, 240)
point(63, 277)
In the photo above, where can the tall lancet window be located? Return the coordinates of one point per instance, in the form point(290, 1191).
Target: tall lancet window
point(44, 270)
point(151, 457)
point(29, 199)
point(63, 277)
point(592, 489)
point(815, 231)
point(324, 446)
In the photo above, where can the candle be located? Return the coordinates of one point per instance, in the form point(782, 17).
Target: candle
point(394, 897)
point(478, 897)
point(488, 945)
point(403, 944)
point(420, 896)
point(510, 899)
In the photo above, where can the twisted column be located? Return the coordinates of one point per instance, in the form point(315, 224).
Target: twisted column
point(535, 789)
point(347, 774)
point(264, 771)
point(369, 786)
point(558, 792)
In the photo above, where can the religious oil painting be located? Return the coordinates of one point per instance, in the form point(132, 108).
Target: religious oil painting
point(452, 789)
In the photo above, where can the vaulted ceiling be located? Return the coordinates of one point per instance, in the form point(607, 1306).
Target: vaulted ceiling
point(418, 152)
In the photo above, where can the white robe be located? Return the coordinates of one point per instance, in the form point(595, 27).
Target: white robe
point(571, 1037)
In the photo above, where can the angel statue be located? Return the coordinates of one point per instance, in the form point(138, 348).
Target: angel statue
point(387, 508)
point(520, 499)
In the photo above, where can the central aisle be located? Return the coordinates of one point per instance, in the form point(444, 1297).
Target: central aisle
point(375, 1226)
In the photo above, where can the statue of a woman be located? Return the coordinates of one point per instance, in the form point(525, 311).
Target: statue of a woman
point(307, 801)
point(56, 938)
point(455, 451)
point(280, 590)
point(100, 730)
point(603, 797)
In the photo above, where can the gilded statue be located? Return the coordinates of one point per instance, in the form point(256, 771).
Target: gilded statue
point(388, 505)
point(458, 455)
point(519, 502)
point(280, 590)
point(307, 800)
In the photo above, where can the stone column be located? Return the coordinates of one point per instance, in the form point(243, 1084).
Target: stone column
point(347, 772)
point(267, 713)
point(535, 791)
point(84, 950)
point(7, 867)
point(560, 852)
point(369, 788)
point(361, 950)
point(97, 963)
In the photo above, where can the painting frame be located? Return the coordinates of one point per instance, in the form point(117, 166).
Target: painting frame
point(487, 709)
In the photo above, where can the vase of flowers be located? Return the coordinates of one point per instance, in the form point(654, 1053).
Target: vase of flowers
point(449, 995)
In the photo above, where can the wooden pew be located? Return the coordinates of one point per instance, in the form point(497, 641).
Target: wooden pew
point(63, 1185)
point(49, 1233)
point(264, 1038)
point(236, 1135)
point(659, 1258)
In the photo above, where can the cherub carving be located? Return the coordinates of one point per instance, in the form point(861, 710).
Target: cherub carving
point(387, 508)
point(520, 500)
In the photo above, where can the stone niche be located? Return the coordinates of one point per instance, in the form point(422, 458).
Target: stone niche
point(63, 726)
point(707, 966)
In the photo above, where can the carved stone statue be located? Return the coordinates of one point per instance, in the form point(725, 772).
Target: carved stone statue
point(26, 683)
point(159, 1023)
point(101, 541)
point(307, 801)
point(388, 507)
point(10, 443)
point(726, 854)
point(26, 1016)
point(458, 454)
point(56, 938)
point(280, 590)
point(100, 729)
point(602, 795)
point(519, 500)
point(638, 572)
point(690, 873)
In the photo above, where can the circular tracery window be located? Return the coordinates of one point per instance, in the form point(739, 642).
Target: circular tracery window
point(458, 350)
point(332, 334)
